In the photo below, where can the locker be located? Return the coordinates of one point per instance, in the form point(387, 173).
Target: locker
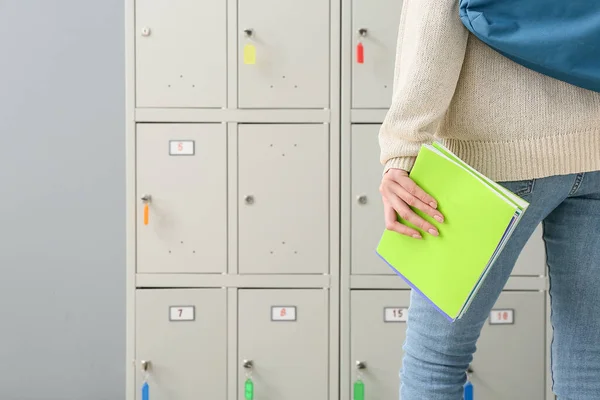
point(375, 26)
point(378, 331)
point(532, 260)
point(510, 358)
point(283, 343)
point(181, 53)
point(284, 198)
point(368, 222)
point(284, 54)
point(182, 333)
point(181, 183)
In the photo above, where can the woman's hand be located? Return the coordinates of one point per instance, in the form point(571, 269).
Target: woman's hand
point(400, 193)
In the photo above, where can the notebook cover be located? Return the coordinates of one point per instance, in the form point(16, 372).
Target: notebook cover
point(445, 269)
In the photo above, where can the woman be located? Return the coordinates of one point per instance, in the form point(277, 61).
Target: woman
point(537, 136)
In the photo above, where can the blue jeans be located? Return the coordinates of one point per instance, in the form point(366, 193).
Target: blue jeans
point(438, 353)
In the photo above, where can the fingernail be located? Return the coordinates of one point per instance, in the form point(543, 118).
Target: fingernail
point(433, 204)
point(417, 236)
point(433, 232)
point(438, 218)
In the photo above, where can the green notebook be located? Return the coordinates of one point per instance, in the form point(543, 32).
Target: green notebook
point(480, 216)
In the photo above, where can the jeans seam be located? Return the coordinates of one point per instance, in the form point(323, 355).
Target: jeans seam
point(551, 308)
point(577, 184)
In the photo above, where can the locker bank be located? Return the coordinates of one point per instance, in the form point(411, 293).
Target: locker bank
point(254, 211)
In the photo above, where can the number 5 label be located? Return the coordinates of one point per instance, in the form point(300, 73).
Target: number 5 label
point(182, 313)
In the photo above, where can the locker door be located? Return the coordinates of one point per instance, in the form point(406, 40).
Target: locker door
point(375, 25)
point(532, 260)
point(181, 53)
point(291, 58)
point(510, 358)
point(284, 199)
point(367, 208)
point(183, 168)
point(284, 335)
point(182, 333)
point(378, 331)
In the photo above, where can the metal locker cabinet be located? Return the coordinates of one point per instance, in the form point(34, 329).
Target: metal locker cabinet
point(292, 51)
point(367, 222)
point(284, 198)
point(183, 168)
point(510, 359)
point(283, 343)
point(375, 24)
point(532, 260)
point(183, 335)
point(181, 53)
point(377, 333)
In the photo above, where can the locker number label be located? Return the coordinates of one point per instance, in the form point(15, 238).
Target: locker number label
point(283, 313)
point(181, 147)
point(395, 314)
point(182, 313)
point(502, 317)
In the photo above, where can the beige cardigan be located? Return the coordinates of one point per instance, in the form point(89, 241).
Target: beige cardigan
point(508, 122)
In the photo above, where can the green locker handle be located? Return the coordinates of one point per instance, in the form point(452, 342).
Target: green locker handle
point(249, 389)
point(359, 390)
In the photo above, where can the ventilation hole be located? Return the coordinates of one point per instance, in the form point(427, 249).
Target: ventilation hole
point(282, 242)
point(284, 77)
point(271, 86)
point(271, 252)
point(181, 76)
point(295, 252)
point(283, 155)
point(193, 85)
point(169, 251)
point(194, 251)
point(181, 242)
point(295, 86)
point(385, 86)
point(295, 145)
point(169, 85)
point(271, 145)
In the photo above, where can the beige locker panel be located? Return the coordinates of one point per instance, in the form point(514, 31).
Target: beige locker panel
point(283, 343)
point(291, 42)
point(284, 199)
point(532, 260)
point(367, 208)
point(510, 358)
point(378, 331)
point(375, 25)
point(183, 168)
point(183, 335)
point(181, 53)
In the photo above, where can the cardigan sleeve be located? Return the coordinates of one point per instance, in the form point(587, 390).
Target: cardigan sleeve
point(430, 52)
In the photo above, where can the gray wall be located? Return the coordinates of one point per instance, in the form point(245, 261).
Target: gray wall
point(62, 232)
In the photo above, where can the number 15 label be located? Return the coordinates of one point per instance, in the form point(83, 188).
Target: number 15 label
point(395, 314)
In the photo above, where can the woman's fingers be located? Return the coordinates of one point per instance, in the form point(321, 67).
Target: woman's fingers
point(392, 223)
point(395, 194)
point(415, 202)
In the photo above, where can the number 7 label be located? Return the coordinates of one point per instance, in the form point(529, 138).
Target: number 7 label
point(182, 313)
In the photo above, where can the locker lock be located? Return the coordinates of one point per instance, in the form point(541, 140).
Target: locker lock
point(145, 365)
point(362, 199)
point(247, 364)
point(362, 32)
point(146, 198)
point(361, 365)
point(249, 199)
point(249, 32)
point(146, 31)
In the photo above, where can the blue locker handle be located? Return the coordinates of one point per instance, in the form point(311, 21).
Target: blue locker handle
point(145, 391)
point(468, 391)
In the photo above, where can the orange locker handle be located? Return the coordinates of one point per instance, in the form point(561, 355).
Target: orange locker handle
point(146, 199)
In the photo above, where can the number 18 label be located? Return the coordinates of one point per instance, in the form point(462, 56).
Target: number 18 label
point(502, 317)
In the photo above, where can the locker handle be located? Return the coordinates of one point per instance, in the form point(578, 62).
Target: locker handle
point(249, 32)
point(362, 32)
point(361, 365)
point(146, 199)
point(145, 365)
point(247, 364)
